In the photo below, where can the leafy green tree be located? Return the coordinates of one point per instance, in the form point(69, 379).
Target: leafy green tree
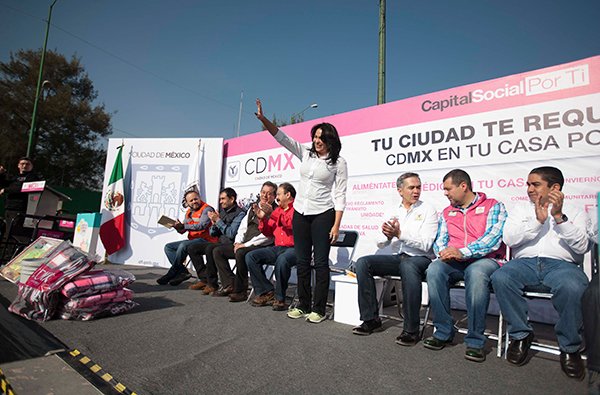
point(280, 123)
point(70, 128)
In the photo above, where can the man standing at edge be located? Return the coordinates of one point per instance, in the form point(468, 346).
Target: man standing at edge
point(16, 201)
point(546, 246)
point(411, 233)
point(469, 247)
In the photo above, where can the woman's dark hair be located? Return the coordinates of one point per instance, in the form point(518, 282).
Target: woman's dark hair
point(329, 135)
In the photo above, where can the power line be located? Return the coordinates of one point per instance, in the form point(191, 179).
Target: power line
point(127, 133)
point(123, 60)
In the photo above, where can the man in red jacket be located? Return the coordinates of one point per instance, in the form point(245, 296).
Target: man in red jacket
point(278, 224)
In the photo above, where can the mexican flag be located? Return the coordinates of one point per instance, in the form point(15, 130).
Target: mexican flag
point(112, 230)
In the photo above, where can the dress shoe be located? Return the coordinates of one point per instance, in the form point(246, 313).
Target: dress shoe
point(474, 354)
point(198, 285)
point(572, 364)
point(433, 343)
point(180, 277)
point(223, 291)
point(265, 299)
point(518, 349)
point(238, 297)
point(279, 305)
point(407, 339)
point(164, 279)
point(368, 327)
point(209, 289)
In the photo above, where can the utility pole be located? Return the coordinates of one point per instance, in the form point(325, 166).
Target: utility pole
point(381, 68)
point(240, 113)
point(39, 82)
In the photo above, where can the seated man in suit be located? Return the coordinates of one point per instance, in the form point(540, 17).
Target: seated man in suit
point(248, 238)
point(224, 226)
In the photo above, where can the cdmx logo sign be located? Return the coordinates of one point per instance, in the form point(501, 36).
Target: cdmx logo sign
point(233, 171)
point(261, 164)
point(156, 190)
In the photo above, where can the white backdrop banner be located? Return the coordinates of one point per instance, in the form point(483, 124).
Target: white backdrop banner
point(496, 130)
point(157, 172)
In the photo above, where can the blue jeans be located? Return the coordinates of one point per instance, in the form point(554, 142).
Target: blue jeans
point(565, 280)
point(177, 252)
point(284, 258)
point(440, 276)
point(410, 268)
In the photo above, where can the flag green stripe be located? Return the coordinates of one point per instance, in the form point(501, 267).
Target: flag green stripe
point(117, 171)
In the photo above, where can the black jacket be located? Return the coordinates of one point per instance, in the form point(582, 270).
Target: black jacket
point(15, 199)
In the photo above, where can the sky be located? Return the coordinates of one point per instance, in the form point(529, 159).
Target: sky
point(178, 68)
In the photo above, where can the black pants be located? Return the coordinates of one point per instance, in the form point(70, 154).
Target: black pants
point(14, 223)
point(206, 272)
point(311, 234)
point(590, 304)
point(239, 280)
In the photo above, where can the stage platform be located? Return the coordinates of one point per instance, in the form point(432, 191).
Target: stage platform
point(178, 341)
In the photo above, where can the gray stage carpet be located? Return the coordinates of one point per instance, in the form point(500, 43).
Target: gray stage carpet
point(181, 342)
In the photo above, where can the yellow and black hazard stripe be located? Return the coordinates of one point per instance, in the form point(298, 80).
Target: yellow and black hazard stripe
point(5, 385)
point(94, 372)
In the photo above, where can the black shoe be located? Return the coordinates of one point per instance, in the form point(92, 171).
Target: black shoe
point(475, 354)
point(407, 339)
point(368, 327)
point(433, 343)
point(572, 364)
point(518, 349)
point(236, 297)
point(180, 277)
point(165, 279)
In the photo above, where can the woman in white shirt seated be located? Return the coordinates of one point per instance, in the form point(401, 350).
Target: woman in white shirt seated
point(319, 206)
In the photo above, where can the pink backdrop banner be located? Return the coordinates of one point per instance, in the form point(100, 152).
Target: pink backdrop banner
point(570, 79)
point(496, 130)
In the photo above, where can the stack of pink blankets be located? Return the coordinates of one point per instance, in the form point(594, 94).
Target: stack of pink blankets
point(95, 294)
point(65, 285)
point(38, 297)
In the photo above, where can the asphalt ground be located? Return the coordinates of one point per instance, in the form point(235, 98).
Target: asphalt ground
point(178, 341)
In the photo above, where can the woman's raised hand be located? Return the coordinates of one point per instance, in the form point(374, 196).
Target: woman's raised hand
point(265, 121)
point(259, 111)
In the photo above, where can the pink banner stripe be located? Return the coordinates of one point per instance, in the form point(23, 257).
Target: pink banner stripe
point(409, 111)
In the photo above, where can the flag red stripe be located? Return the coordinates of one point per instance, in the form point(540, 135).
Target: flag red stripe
point(112, 234)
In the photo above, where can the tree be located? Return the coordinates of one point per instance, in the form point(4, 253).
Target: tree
point(281, 123)
point(67, 148)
